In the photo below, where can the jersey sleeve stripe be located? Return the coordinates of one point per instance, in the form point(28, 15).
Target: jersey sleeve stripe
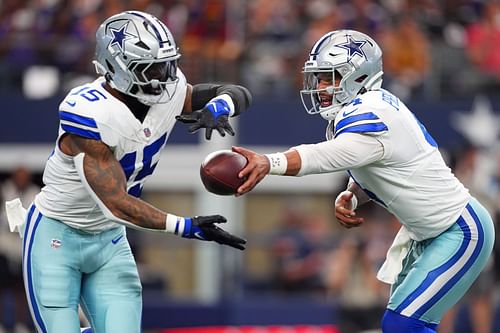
point(77, 119)
point(352, 119)
point(363, 128)
point(81, 132)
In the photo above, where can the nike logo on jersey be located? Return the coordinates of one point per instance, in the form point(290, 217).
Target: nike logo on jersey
point(71, 103)
point(117, 239)
point(345, 114)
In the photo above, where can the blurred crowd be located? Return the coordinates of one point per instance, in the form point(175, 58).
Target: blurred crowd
point(431, 48)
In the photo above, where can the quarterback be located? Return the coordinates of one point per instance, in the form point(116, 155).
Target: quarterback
point(446, 235)
point(111, 134)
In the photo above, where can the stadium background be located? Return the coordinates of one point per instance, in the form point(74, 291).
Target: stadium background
point(301, 272)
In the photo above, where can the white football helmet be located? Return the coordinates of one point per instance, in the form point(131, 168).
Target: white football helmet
point(137, 54)
point(348, 55)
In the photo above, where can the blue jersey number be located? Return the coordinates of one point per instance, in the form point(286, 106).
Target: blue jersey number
point(92, 95)
point(390, 99)
point(128, 164)
point(89, 94)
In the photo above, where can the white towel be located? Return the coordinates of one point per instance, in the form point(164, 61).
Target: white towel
point(393, 263)
point(16, 215)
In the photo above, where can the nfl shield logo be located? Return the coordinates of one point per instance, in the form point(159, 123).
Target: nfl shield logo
point(55, 243)
point(147, 132)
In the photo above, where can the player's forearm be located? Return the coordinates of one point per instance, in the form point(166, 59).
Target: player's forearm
point(118, 206)
point(139, 213)
point(106, 183)
point(203, 93)
point(294, 162)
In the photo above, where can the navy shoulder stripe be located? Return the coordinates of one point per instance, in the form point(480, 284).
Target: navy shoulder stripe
point(363, 128)
point(355, 118)
point(81, 132)
point(77, 119)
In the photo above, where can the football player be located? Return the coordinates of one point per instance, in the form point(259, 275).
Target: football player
point(446, 235)
point(111, 134)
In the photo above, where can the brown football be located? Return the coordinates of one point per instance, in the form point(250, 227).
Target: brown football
point(219, 172)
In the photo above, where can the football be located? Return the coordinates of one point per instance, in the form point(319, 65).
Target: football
point(219, 172)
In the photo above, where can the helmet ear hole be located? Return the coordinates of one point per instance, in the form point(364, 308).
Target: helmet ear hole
point(361, 78)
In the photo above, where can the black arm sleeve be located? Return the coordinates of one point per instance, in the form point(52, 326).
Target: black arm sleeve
point(204, 92)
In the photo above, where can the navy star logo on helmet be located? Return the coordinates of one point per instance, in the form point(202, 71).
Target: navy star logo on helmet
point(353, 47)
point(120, 35)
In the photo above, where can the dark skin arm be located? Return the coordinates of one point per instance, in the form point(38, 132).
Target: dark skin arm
point(188, 105)
point(107, 179)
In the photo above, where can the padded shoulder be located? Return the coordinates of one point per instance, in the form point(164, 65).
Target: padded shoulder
point(91, 112)
point(364, 115)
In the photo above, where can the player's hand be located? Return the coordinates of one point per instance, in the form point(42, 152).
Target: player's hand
point(213, 116)
point(205, 228)
point(344, 212)
point(256, 169)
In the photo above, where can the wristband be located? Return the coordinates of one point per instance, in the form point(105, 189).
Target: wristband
point(174, 224)
point(278, 163)
point(226, 104)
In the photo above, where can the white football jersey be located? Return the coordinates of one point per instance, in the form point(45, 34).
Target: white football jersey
point(390, 154)
point(92, 112)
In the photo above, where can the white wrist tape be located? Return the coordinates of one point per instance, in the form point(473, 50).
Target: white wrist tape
point(174, 224)
point(354, 200)
point(278, 163)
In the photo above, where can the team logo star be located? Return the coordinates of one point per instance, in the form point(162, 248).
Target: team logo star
point(481, 125)
point(120, 35)
point(353, 47)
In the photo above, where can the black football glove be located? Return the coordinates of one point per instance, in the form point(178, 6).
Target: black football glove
point(213, 116)
point(204, 228)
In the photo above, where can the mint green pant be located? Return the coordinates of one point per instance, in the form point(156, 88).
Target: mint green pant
point(64, 267)
point(438, 271)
